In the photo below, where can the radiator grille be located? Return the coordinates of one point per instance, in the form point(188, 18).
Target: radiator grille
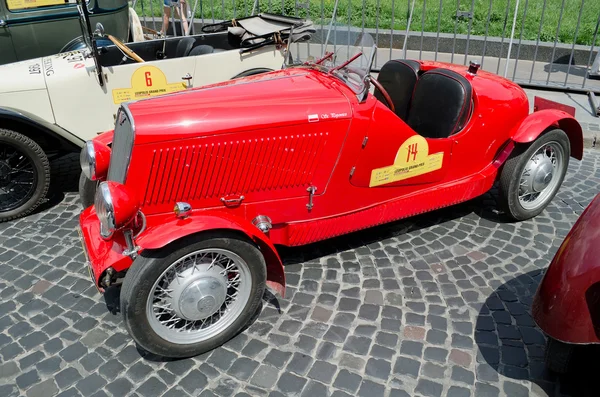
point(123, 137)
point(216, 169)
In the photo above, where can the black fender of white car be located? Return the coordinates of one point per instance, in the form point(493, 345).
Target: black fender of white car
point(48, 135)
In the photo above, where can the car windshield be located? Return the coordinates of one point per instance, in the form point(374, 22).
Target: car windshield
point(84, 21)
point(343, 51)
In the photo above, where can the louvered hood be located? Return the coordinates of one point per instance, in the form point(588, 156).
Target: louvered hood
point(288, 97)
point(263, 138)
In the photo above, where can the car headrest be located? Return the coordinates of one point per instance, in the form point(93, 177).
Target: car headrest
point(398, 77)
point(441, 104)
point(202, 49)
point(184, 46)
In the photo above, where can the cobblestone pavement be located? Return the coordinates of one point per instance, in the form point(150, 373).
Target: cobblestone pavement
point(435, 305)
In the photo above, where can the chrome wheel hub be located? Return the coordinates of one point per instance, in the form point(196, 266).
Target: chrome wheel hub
point(199, 296)
point(198, 292)
point(541, 175)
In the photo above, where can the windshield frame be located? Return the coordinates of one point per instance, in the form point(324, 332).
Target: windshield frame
point(88, 36)
point(360, 89)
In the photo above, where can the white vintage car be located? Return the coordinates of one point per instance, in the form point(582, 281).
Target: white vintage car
point(52, 105)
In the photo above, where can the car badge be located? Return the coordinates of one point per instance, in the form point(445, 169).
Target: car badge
point(122, 117)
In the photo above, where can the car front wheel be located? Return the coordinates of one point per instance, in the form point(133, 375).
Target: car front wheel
point(24, 175)
point(533, 174)
point(193, 295)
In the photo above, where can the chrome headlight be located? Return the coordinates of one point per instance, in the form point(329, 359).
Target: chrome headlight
point(105, 210)
point(87, 160)
point(116, 207)
point(94, 159)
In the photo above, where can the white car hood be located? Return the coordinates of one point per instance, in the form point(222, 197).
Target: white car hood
point(22, 76)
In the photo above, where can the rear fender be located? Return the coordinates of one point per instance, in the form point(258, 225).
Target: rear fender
point(169, 229)
point(538, 122)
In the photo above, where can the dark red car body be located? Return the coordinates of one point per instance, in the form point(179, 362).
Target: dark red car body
point(258, 145)
point(567, 303)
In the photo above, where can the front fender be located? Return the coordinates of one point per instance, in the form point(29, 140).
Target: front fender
point(167, 228)
point(33, 124)
point(566, 305)
point(537, 122)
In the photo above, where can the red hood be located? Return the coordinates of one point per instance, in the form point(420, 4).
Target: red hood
point(280, 98)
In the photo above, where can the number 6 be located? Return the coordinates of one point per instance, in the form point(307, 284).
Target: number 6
point(148, 79)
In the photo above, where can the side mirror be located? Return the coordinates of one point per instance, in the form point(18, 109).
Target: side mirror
point(99, 30)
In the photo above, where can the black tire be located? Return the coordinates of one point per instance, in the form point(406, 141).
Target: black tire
point(558, 356)
point(513, 167)
point(87, 191)
point(144, 272)
point(40, 167)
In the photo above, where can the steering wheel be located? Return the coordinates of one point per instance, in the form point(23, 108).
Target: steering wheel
point(126, 50)
point(386, 96)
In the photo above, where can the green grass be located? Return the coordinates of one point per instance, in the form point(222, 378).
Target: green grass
point(394, 13)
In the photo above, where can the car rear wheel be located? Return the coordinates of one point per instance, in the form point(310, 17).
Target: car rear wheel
point(533, 174)
point(558, 356)
point(24, 175)
point(193, 295)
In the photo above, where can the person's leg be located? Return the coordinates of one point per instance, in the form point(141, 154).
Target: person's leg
point(182, 11)
point(166, 16)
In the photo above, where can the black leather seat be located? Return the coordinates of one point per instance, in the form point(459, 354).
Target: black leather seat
point(202, 49)
point(440, 105)
point(184, 46)
point(398, 77)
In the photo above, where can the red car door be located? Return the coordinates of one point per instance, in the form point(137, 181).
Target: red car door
point(394, 155)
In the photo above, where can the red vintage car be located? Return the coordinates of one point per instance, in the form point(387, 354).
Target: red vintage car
point(197, 188)
point(566, 305)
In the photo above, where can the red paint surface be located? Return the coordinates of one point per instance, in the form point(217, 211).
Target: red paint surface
point(101, 253)
point(542, 103)
point(258, 137)
point(102, 153)
point(531, 127)
point(559, 307)
point(126, 204)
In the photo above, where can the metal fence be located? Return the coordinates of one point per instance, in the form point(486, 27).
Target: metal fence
point(543, 43)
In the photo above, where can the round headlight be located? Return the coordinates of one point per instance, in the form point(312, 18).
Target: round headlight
point(105, 210)
point(115, 207)
point(87, 160)
point(94, 160)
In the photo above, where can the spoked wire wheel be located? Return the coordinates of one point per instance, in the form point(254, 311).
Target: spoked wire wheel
point(17, 178)
point(24, 175)
point(199, 296)
point(533, 173)
point(541, 175)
